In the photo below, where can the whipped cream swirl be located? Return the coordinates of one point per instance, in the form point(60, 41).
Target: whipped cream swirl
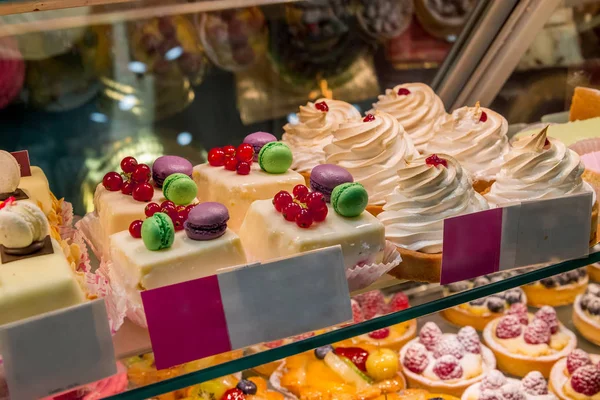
point(414, 212)
point(538, 167)
point(476, 137)
point(372, 150)
point(314, 131)
point(417, 111)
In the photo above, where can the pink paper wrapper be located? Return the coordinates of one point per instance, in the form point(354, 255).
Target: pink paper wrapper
point(91, 231)
point(586, 146)
point(592, 161)
point(66, 229)
point(362, 276)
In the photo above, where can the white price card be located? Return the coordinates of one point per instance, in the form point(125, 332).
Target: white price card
point(57, 351)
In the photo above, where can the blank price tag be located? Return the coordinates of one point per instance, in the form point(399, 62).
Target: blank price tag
point(196, 319)
point(57, 351)
point(527, 233)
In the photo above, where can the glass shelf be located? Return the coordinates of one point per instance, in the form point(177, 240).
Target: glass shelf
point(415, 311)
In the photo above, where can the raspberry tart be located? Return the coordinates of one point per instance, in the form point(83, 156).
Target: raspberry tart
point(558, 290)
point(525, 342)
point(334, 372)
point(495, 386)
point(479, 312)
point(577, 376)
point(373, 304)
point(445, 363)
point(586, 313)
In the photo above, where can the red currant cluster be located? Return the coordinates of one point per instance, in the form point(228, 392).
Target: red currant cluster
point(232, 159)
point(178, 215)
point(304, 208)
point(136, 182)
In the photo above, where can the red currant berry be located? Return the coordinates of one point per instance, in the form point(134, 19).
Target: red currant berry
point(128, 164)
point(291, 211)
point(304, 219)
point(112, 181)
point(483, 117)
point(243, 168)
point(434, 160)
point(178, 221)
point(315, 200)
point(189, 208)
point(322, 106)
point(127, 187)
point(141, 173)
point(233, 394)
point(135, 228)
point(403, 92)
point(281, 200)
point(369, 118)
point(319, 214)
point(300, 192)
point(172, 213)
point(151, 209)
point(245, 152)
point(229, 151)
point(231, 164)
point(216, 157)
point(183, 211)
point(143, 192)
point(167, 204)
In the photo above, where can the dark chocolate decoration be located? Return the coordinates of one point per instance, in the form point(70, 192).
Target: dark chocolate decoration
point(36, 249)
point(17, 194)
point(22, 158)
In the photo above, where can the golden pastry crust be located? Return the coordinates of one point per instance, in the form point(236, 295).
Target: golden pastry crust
point(559, 377)
point(416, 394)
point(395, 341)
point(520, 365)
point(588, 328)
point(417, 266)
point(594, 272)
point(461, 317)
point(538, 295)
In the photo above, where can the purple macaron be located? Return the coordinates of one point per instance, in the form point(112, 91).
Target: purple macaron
point(167, 165)
point(325, 177)
point(258, 140)
point(207, 221)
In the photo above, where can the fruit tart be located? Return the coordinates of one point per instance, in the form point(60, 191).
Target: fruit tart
point(525, 342)
point(445, 363)
point(586, 313)
point(416, 394)
point(479, 312)
point(558, 290)
point(576, 376)
point(230, 388)
point(352, 373)
point(372, 304)
point(496, 386)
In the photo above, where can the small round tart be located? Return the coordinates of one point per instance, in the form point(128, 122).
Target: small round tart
point(586, 313)
point(479, 312)
point(372, 304)
point(416, 394)
point(525, 342)
point(344, 372)
point(576, 377)
point(445, 363)
point(593, 271)
point(532, 387)
point(558, 290)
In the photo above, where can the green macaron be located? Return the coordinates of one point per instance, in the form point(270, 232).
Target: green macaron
point(158, 232)
point(275, 158)
point(349, 199)
point(180, 189)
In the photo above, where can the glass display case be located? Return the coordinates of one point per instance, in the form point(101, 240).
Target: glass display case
point(319, 199)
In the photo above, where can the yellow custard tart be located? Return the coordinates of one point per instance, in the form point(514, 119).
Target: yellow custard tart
point(525, 342)
point(586, 313)
point(558, 290)
point(496, 386)
point(577, 376)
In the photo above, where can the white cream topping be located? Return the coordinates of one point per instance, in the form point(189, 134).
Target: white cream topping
point(22, 224)
point(417, 111)
point(537, 168)
point(478, 144)
point(314, 131)
point(372, 152)
point(414, 212)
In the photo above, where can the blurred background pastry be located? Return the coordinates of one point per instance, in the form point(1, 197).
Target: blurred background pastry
point(385, 19)
point(443, 18)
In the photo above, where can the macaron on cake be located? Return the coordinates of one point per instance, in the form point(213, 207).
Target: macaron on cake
point(157, 252)
point(257, 140)
point(135, 192)
point(32, 265)
point(231, 176)
point(292, 223)
point(325, 177)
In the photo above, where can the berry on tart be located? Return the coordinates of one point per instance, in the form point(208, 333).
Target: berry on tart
point(524, 342)
point(497, 386)
point(447, 362)
point(586, 313)
point(576, 376)
point(558, 290)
